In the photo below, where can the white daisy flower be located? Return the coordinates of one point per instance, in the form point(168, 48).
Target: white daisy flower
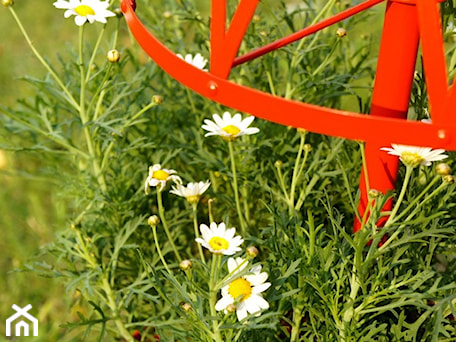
point(229, 128)
point(159, 177)
point(219, 240)
point(198, 61)
point(244, 292)
point(415, 156)
point(85, 10)
point(192, 192)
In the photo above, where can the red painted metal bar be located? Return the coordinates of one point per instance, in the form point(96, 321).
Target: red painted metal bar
point(391, 96)
point(218, 31)
point(305, 32)
point(434, 59)
point(229, 42)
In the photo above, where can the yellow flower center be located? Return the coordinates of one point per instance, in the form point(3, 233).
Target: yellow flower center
point(217, 243)
point(84, 10)
point(411, 159)
point(160, 175)
point(231, 130)
point(193, 199)
point(240, 289)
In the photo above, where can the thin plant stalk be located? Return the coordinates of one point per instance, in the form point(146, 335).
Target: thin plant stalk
point(159, 251)
point(85, 119)
point(215, 266)
point(46, 65)
point(408, 174)
point(297, 171)
point(236, 189)
point(197, 234)
point(161, 212)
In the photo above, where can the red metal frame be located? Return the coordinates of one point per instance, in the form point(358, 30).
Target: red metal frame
point(407, 22)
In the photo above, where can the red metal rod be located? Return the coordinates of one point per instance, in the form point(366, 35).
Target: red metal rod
point(393, 83)
point(434, 62)
point(305, 32)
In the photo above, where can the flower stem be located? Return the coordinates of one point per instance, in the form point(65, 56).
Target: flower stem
point(84, 118)
point(197, 235)
point(157, 245)
point(114, 308)
point(235, 188)
point(297, 171)
point(215, 266)
point(408, 174)
point(161, 212)
point(70, 97)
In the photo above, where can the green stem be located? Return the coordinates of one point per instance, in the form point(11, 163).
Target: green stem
point(115, 310)
point(297, 170)
point(70, 97)
point(282, 182)
point(197, 235)
point(94, 53)
point(215, 266)
point(84, 118)
point(161, 212)
point(299, 48)
point(413, 204)
point(408, 174)
point(235, 188)
point(190, 99)
point(157, 245)
point(88, 256)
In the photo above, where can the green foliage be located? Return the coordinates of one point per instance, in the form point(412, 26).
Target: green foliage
point(97, 127)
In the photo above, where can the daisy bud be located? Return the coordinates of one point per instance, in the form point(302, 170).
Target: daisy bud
point(307, 147)
point(449, 179)
point(252, 251)
point(443, 169)
point(113, 56)
point(186, 306)
point(157, 99)
point(7, 3)
point(256, 18)
point(373, 193)
point(167, 14)
point(231, 308)
point(278, 164)
point(153, 221)
point(341, 32)
point(118, 12)
point(186, 265)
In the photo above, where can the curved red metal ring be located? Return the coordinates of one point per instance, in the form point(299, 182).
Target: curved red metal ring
point(381, 130)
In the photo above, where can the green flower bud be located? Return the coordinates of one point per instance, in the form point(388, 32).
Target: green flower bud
point(7, 3)
point(113, 56)
point(231, 308)
point(153, 221)
point(186, 306)
point(341, 32)
point(443, 169)
point(252, 251)
point(186, 265)
point(448, 179)
point(157, 99)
